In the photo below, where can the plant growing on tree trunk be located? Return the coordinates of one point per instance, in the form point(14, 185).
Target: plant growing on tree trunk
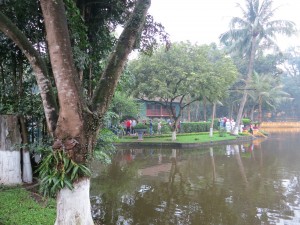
point(75, 126)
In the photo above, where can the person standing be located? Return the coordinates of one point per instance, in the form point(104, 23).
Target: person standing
point(128, 125)
point(159, 127)
point(132, 126)
point(150, 126)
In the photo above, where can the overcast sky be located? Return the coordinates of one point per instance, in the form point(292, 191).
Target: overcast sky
point(202, 21)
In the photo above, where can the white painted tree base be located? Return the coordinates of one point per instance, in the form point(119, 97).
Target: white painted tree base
point(10, 168)
point(73, 206)
point(235, 131)
point(211, 132)
point(173, 135)
point(27, 169)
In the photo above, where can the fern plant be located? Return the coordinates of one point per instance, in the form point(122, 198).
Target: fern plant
point(58, 171)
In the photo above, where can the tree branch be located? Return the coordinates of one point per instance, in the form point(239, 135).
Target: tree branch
point(39, 68)
point(109, 79)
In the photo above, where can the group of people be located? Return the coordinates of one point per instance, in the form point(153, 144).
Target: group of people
point(129, 125)
point(227, 123)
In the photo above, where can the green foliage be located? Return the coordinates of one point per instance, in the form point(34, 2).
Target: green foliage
point(124, 105)
point(141, 126)
point(165, 128)
point(194, 127)
point(200, 71)
point(19, 207)
point(222, 132)
point(105, 148)
point(246, 121)
point(258, 24)
point(78, 34)
point(57, 171)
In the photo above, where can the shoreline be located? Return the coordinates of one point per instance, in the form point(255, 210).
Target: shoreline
point(238, 139)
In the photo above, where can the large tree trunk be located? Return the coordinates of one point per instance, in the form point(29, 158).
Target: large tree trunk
point(10, 156)
point(78, 123)
point(73, 206)
point(76, 126)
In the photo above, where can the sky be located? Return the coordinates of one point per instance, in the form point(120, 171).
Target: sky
point(202, 21)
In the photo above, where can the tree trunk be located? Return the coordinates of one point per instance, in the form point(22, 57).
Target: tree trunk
point(260, 110)
point(245, 94)
point(73, 206)
point(189, 109)
point(27, 168)
point(212, 120)
point(204, 108)
point(10, 156)
point(77, 124)
point(252, 113)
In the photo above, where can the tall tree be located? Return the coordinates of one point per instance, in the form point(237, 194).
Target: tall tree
point(255, 29)
point(291, 80)
point(266, 91)
point(200, 71)
point(75, 125)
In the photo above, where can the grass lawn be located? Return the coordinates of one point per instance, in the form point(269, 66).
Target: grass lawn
point(20, 207)
point(180, 138)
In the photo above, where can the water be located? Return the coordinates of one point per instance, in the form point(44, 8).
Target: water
point(248, 184)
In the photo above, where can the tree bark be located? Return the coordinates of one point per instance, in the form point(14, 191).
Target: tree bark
point(10, 156)
point(69, 122)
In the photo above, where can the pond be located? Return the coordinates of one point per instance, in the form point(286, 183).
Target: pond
point(250, 183)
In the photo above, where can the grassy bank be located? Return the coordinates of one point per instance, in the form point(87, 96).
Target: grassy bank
point(181, 138)
point(21, 207)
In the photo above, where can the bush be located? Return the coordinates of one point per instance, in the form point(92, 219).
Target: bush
point(141, 126)
point(193, 127)
point(222, 132)
point(246, 121)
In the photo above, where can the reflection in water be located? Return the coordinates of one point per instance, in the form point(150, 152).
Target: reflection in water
point(253, 183)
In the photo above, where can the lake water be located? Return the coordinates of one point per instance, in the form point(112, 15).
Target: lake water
point(246, 184)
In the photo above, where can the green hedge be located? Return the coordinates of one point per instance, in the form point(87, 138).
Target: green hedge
point(191, 127)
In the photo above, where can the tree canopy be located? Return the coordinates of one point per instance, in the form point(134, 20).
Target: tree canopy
point(184, 73)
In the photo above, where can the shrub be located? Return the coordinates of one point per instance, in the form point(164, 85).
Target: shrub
point(222, 132)
point(246, 121)
point(192, 127)
point(141, 126)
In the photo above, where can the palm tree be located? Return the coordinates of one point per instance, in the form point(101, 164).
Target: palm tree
point(266, 90)
point(255, 29)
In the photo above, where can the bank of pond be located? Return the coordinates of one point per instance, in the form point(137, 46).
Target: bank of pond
point(23, 205)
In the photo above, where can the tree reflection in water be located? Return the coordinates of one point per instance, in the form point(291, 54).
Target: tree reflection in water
point(253, 183)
